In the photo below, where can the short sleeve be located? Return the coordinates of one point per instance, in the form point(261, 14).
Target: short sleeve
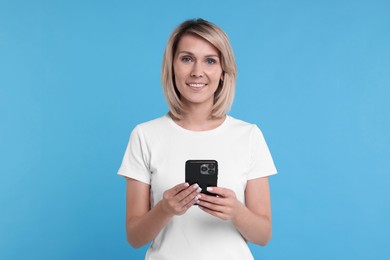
point(261, 163)
point(135, 163)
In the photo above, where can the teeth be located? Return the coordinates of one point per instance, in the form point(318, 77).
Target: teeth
point(197, 85)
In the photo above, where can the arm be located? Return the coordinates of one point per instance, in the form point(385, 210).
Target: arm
point(252, 220)
point(144, 223)
point(255, 221)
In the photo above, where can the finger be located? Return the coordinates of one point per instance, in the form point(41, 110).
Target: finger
point(190, 201)
point(178, 188)
point(192, 190)
point(222, 192)
point(215, 213)
point(213, 199)
point(212, 206)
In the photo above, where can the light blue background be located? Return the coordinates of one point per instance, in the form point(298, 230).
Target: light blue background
point(77, 76)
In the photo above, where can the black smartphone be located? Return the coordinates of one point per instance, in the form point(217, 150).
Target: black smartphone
point(202, 172)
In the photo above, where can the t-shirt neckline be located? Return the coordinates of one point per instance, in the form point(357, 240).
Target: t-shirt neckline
point(182, 129)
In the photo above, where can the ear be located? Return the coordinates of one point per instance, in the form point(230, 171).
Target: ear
point(222, 76)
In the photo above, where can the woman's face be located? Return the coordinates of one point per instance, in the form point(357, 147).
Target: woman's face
point(197, 69)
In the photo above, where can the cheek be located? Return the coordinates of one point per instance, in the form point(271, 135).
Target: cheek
point(215, 73)
point(179, 72)
point(178, 78)
point(218, 76)
point(179, 81)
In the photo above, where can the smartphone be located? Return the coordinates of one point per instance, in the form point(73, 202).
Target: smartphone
point(202, 172)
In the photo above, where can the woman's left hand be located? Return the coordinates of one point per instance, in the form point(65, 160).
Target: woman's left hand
point(225, 206)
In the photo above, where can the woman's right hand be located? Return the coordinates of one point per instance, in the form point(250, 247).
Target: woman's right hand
point(177, 200)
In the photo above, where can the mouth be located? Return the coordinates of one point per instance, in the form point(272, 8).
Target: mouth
point(196, 86)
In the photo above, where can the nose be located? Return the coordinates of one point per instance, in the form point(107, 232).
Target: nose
point(197, 70)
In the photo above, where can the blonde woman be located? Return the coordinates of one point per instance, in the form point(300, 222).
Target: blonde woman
point(182, 222)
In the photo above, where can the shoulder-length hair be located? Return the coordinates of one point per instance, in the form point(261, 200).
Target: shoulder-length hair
point(224, 94)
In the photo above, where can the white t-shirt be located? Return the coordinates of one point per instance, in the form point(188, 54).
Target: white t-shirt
point(156, 155)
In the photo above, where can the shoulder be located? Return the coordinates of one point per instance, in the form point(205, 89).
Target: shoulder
point(157, 122)
point(245, 130)
point(153, 127)
point(240, 125)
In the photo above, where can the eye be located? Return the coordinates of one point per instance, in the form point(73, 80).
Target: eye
point(186, 59)
point(211, 61)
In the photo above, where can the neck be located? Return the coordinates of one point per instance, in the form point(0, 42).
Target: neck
point(199, 119)
point(197, 114)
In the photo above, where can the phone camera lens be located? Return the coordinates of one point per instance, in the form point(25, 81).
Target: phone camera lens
point(211, 171)
point(211, 166)
point(203, 168)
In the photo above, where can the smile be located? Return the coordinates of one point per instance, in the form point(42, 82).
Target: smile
point(196, 85)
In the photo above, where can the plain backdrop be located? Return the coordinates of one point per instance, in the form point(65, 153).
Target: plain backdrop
point(77, 76)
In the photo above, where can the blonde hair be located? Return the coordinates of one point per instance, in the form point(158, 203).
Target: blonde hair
point(224, 94)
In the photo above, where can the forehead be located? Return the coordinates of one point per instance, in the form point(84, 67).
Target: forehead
point(196, 45)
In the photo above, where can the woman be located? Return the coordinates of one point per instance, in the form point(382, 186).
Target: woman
point(198, 77)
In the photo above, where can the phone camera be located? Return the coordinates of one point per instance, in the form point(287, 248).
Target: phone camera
point(204, 169)
point(207, 169)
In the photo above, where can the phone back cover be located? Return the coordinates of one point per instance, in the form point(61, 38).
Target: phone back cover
point(194, 174)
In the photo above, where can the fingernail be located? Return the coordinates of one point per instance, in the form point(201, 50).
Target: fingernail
point(186, 184)
point(199, 189)
point(196, 186)
point(209, 189)
point(198, 197)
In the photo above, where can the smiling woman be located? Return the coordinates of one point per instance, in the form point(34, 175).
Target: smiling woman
point(198, 72)
point(180, 219)
point(218, 50)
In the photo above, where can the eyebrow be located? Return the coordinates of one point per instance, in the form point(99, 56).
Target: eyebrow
point(190, 53)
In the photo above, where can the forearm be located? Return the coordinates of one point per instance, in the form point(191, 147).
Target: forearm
point(254, 228)
point(141, 230)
